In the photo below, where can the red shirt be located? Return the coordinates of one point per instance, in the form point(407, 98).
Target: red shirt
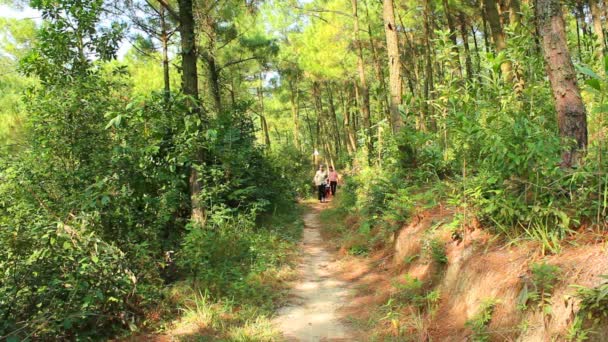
point(333, 176)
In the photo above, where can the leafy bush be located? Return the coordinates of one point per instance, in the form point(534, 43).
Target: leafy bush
point(594, 303)
point(479, 323)
point(61, 280)
point(227, 255)
point(538, 290)
point(436, 250)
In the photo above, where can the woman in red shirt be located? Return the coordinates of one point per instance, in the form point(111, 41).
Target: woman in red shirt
point(333, 180)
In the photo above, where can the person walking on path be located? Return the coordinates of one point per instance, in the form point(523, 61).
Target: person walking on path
point(320, 180)
point(333, 180)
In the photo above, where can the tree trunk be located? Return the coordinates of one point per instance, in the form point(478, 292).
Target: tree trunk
point(295, 109)
point(582, 20)
point(498, 36)
point(263, 122)
point(164, 40)
point(465, 42)
point(453, 35)
point(394, 64)
point(571, 114)
point(346, 98)
point(213, 76)
point(214, 81)
point(514, 11)
point(363, 89)
point(188, 44)
point(334, 120)
point(190, 89)
point(428, 79)
point(384, 104)
point(596, 15)
point(484, 21)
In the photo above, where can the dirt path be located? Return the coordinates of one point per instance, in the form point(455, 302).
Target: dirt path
point(318, 294)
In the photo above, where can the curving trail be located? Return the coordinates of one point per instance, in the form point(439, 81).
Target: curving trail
point(312, 315)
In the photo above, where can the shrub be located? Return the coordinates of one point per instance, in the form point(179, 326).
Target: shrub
point(479, 323)
point(62, 281)
point(538, 290)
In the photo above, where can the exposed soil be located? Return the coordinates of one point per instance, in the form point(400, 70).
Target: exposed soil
point(318, 294)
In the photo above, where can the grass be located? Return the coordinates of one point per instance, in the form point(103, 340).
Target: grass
point(202, 315)
point(205, 319)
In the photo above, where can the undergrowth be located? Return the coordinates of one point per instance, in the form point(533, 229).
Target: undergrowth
point(239, 278)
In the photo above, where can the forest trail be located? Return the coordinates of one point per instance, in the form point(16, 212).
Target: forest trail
point(317, 293)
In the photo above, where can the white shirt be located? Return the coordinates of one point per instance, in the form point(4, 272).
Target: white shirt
point(320, 177)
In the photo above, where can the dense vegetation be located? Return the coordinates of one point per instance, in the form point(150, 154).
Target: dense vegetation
point(177, 166)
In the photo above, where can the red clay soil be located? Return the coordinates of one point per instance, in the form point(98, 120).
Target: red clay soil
point(479, 268)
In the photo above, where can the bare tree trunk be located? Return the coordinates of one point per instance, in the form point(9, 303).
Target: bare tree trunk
point(213, 76)
point(453, 35)
point(514, 11)
point(394, 64)
point(498, 36)
point(465, 42)
point(428, 79)
point(484, 21)
point(345, 98)
point(190, 89)
point(164, 40)
point(295, 109)
point(581, 18)
point(263, 122)
point(334, 120)
point(571, 113)
point(384, 104)
point(363, 89)
point(188, 44)
point(596, 14)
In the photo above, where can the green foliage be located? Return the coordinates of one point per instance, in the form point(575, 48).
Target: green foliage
point(436, 250)
point(480, 321)
point(593, 305)
point(412, 292)
point(16, 39)
point(94, 207)
point(62, 280)
point(226, 255)
point(540, 287)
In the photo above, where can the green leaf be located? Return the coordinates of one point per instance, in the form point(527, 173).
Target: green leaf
point(594, 83)
point(67, 245)
point(603, 108)
point(587, 71)
point(95, 259)
point(606, 65)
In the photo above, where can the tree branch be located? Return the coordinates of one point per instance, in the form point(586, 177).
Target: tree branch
point(171, 10)
point(237, 62)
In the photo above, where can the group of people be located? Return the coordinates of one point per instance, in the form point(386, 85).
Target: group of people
point(326, 182)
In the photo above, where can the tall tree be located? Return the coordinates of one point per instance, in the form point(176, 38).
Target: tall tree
point(453, 35)
point(189, 57)
point(185, 17)
point(596, 15)
point(465, 42)
point(571, 113)
point(394, 63)
point(363, 88)
point(498, 36)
